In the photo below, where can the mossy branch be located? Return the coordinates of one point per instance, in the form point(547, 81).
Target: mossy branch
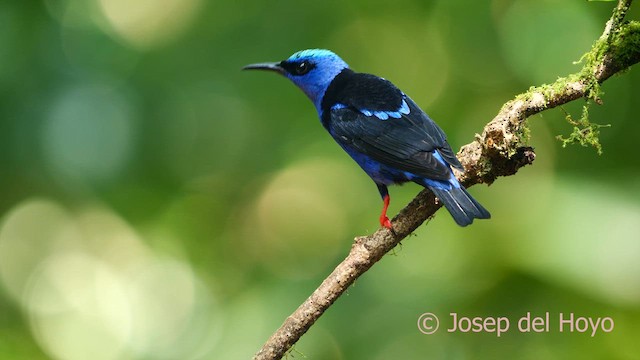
point(584, 132)
point(618, 45)
point(500, 150)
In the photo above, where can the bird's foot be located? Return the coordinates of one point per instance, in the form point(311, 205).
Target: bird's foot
point(384, 221)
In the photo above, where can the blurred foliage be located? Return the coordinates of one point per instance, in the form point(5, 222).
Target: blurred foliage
point(157, 203)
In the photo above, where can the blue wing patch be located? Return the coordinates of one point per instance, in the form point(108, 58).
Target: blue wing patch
point(384, 115)
point(380, 114)
point(338, 106)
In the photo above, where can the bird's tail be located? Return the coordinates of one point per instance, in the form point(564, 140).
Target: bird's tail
point(462, 206)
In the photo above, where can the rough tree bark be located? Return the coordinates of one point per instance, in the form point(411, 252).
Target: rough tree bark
point(500, 150)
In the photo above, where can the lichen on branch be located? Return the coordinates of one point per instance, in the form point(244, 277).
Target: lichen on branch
point(618, 46)
point(584, 132)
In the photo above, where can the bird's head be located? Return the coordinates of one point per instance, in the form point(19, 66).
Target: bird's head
point(311, 70)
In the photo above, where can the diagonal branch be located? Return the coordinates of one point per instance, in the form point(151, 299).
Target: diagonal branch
point(499, 151)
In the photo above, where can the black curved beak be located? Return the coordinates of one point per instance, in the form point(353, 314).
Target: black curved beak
point(273, 66)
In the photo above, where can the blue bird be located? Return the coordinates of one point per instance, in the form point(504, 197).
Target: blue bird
point(381, 128)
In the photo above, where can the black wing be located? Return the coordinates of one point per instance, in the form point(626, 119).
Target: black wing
point(406, 143)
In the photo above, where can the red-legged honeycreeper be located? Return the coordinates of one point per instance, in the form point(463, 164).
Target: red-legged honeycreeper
point(383, 130)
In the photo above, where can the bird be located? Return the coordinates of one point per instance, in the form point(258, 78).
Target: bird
point(392, 139)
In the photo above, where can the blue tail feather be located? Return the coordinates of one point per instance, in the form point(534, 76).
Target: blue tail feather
point(462, 206)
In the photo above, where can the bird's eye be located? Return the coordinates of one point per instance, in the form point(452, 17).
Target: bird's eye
point(302, 68)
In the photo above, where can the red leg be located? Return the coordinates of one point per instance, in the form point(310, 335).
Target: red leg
point(384, 220)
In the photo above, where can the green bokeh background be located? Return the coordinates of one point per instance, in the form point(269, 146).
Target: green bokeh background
point(158, 203)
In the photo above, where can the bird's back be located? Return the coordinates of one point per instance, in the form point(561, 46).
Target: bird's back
point(373, 117)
